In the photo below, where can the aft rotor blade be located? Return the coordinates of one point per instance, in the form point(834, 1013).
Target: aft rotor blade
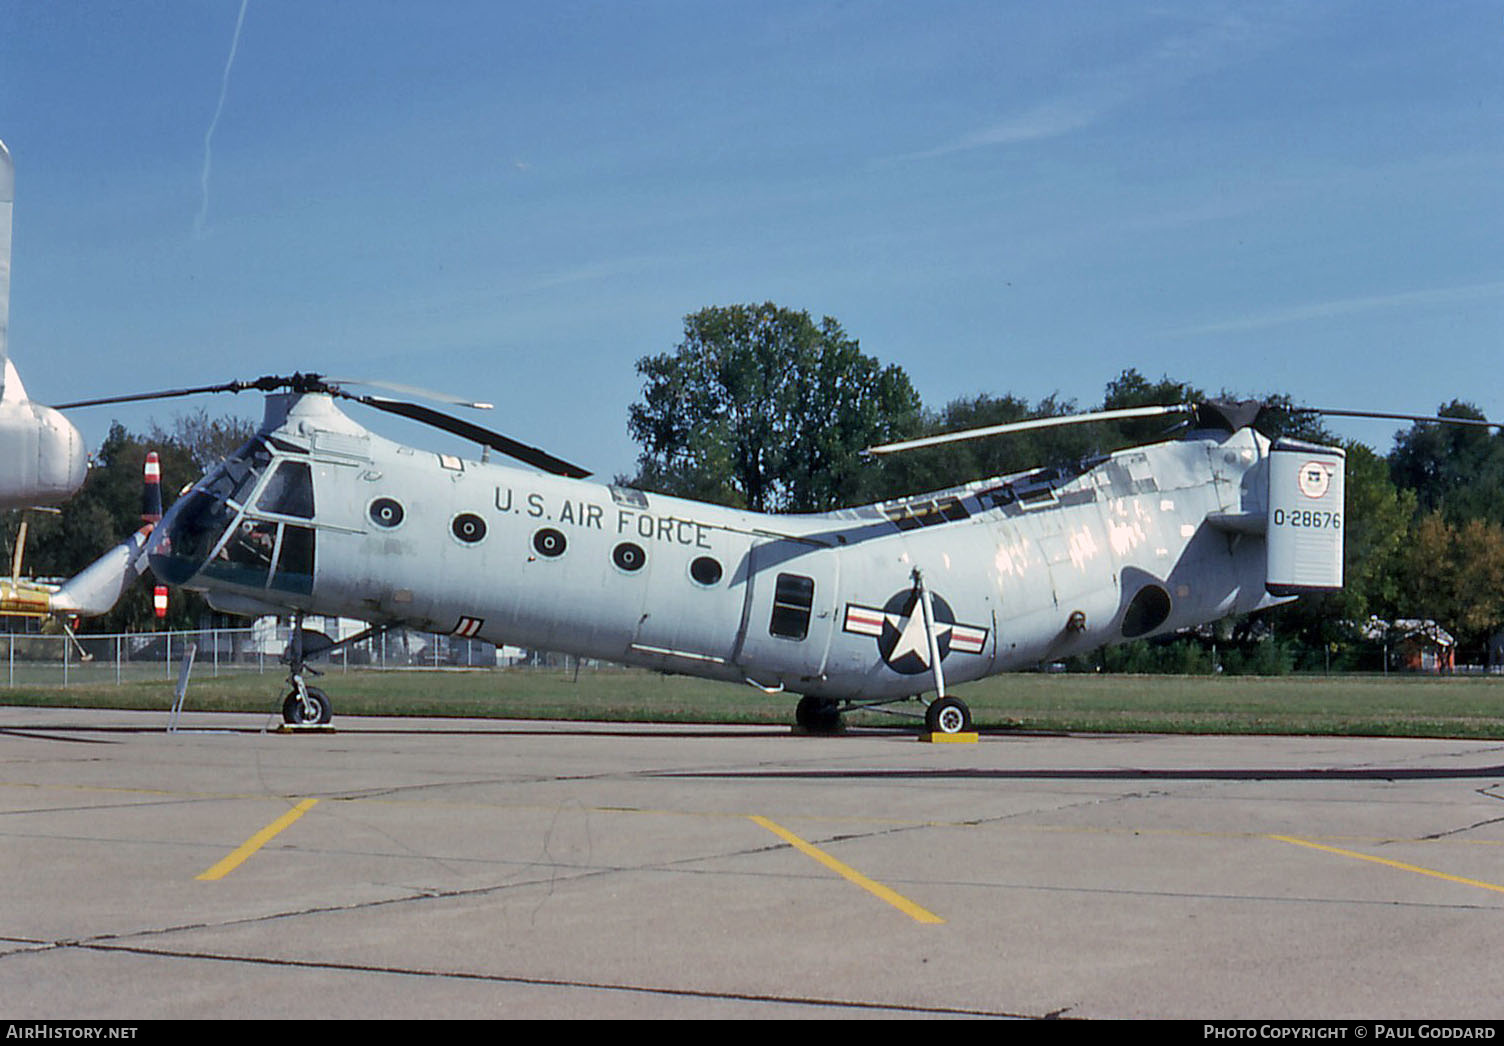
point(496, 441)
point(1032, 423)
point(1475, 422)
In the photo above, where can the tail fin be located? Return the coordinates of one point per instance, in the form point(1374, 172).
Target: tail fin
point(1305, 533)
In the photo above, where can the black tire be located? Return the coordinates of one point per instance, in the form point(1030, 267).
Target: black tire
point(949, 715)
point(293, 711)
point(818, 715)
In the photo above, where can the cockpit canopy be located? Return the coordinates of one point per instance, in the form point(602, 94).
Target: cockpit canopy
point(248, 523)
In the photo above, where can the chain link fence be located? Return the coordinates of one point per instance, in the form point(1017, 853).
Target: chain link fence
point(64, 660)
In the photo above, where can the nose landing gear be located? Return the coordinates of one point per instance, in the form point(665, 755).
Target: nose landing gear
point(307, 705)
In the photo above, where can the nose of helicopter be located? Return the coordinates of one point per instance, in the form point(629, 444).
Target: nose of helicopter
point(167, 538)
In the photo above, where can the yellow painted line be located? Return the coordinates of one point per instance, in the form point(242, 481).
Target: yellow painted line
point(877, 889)
point(255, 842)
point(1401, 865)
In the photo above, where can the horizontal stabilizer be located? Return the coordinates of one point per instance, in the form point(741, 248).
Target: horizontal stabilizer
point(1239, 522)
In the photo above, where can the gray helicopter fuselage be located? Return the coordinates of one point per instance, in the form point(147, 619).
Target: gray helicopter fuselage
point(320, 515)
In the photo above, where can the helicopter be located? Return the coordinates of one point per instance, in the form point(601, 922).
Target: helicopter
point(862, 607)
point(42, 456)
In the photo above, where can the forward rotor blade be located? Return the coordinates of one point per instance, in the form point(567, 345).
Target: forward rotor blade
point(413, 390)
point(296, 382)
point(496, 441)
point(1032, 423)
point(164, 394)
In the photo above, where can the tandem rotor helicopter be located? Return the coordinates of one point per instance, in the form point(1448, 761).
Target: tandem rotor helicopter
point(857, 608)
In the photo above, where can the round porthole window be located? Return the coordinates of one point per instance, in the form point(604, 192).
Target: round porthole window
point(549, 542)
point(629, 557)
point(468, 527)
point(705, 570)
point(386, 512)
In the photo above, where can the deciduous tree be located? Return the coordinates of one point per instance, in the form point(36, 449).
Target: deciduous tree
point(1454, 575)
point(1457, 470)
point(763, 407)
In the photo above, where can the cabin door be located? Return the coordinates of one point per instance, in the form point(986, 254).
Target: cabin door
point(791, 612)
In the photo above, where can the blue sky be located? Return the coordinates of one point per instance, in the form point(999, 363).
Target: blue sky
point(517, 201)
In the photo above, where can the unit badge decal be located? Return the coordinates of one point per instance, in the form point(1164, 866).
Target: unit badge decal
point(1314, 478)
point(898, 628)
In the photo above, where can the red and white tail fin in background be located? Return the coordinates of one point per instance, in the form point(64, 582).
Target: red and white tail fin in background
point(151, 490)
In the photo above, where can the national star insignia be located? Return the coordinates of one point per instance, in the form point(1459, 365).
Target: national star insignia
point(912, 638)
point(899, 630)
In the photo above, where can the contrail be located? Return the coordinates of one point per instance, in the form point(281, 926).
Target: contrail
point(224, 89)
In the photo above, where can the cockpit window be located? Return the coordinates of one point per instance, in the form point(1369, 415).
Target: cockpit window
point(212, 532)
point(196, 526)
point(295, 560)
point(289, 492)
point(246, 558)
point(235, 477)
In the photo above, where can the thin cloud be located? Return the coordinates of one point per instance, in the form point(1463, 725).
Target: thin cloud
point(1165, 66)
point(1049, 120)
point(1347, 307)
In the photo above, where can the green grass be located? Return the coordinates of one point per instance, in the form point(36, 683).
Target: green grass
point(1397, 706)
point(1403, 706)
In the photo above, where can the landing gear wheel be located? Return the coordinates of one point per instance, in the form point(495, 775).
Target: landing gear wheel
point(294, 712)
point(948, 715)
point(818, 715)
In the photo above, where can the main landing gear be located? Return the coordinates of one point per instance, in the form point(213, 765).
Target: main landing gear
point(947, 715)
point(818, 715)
point(822, 715)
